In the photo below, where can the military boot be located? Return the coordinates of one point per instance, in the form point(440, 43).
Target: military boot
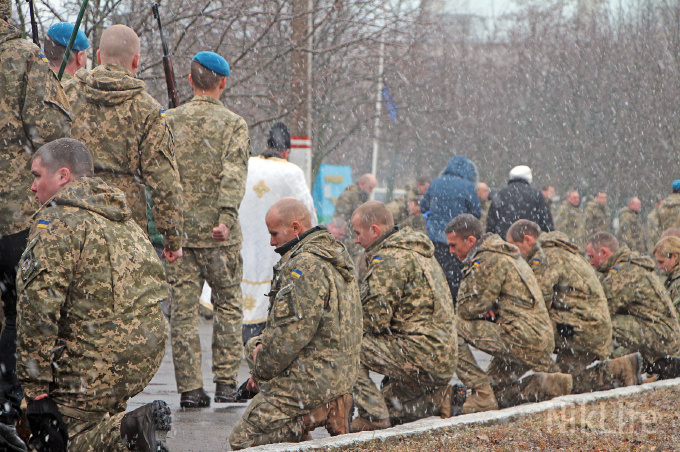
point(10, 440)
point(547, 386)
point(226, 393)
point(627, 370)
point(196, 398)
point(361, 424)
point(335, 416)
point(145, 428)
point(668, 367)
point(453, 401)
point(480, 399)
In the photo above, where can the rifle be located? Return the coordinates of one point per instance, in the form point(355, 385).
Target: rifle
point(34, 24)
point(173, 100)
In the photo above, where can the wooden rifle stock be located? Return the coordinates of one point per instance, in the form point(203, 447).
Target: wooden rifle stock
point(173, 99)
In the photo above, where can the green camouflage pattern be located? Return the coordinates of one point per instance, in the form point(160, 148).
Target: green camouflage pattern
point(33, 111)
point(484, 204)
point(350, 199)
point(212, 148)
point(572, 222)
point(90, 329)
point(416, 223)
point(632, 230)
point(643, 317)
point(653, 229)
point(222, 268)
point(5, 9)
point(409, 320)
point(495, 277)
point(94, 435)
point(668, 214)
point(672, 285)
point(598, 218)
point(573, 296)
point(313, 334)
point(125, 129)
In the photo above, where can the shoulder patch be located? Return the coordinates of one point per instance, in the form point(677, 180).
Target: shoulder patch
point(296, 273)
point(44, 58)
point(377, 259)
point(162, 113)
point(535, 261)
point(614, 270)
point(476, 263)
point(42, 224)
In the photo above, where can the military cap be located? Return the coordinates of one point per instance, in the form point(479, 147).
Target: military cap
point(61, 34)
point(675, 186)
point(212, 61)
point(5, 9)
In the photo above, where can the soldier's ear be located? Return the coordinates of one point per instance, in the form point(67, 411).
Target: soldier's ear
point(64, 176)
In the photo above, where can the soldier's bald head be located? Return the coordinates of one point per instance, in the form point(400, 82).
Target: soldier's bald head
point(373, 212)
point(287, 210)
point(119, 45)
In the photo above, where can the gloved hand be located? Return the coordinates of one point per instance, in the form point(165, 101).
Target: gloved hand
point(48, 429)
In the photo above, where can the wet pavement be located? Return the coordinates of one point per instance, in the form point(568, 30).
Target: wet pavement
point(205, 429)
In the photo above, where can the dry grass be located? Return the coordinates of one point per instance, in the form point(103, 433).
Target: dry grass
point(643, 422)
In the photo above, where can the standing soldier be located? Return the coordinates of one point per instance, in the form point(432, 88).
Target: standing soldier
point(33, 111)
point(501, 312)
point(578, 310)
point(571, 221)
point(597, 215)
point(643, 317)
point(484, 201)
point(55, 47)
point(305, 362)
point(212, 148)
point(668, 214)
point(125, 129)
point(351, 198)
point(400, 315)
point(631, 228)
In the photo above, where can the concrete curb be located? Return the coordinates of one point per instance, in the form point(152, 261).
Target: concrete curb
point(432, 425)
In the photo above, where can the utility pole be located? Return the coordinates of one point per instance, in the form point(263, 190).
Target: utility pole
point(378, 98)
point(300, 87)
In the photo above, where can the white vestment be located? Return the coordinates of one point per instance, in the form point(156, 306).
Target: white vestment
point(269, 179)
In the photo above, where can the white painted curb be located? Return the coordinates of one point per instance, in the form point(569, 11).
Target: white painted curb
point(432, 425)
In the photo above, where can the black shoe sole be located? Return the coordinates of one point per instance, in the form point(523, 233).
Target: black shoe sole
point(162, 417)
point(192, 404)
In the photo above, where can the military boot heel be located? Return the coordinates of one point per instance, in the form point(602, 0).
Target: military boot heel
point(453, 401)
point(145, 428)
point(551, 385)
point(340, 412)
point(481, 399)
point(627, 370)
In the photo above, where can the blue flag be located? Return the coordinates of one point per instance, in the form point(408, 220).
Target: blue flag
point(389, 103)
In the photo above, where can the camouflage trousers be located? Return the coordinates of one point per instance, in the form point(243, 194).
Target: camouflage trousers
point(653, 341)
point(222, 268)
point(510, 360)
point(407, 394)
point(93, 432)
point(590, 371)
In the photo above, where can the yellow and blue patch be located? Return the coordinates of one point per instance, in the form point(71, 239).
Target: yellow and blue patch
point(377, 260)
point(162, 113)
point(535, 261)
point(296, 273)
point(476, 263)
point(614, 270)
point(44, 58)
point(42, 224)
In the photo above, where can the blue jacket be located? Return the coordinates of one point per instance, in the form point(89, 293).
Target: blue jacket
point(449, 195)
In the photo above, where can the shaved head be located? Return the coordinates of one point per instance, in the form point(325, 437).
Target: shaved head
point(373, 212)
point(604, 240)
point(289, 209)
point(119, 45)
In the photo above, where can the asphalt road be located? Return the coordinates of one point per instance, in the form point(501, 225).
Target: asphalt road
point(205, 429)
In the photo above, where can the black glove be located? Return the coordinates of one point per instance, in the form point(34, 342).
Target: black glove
point(10, 440)
point(243, 394)
point(565, 330)
point(48, 429)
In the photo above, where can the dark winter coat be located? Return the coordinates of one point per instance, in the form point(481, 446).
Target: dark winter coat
point(451, 194)
point(518, 201)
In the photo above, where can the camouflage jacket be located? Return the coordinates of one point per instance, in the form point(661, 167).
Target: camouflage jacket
point(351, 198)
point(571, 221)
point(212, 148)
point(90, 286)
point(669, 214)
point(406, 298)
point(672, 285)
point(125, 129)
point(312, 340)
point(33, 111)
point(572, 293)
point(653, 229)
point(597, 218)
point(484, 204)
point(495, 277)
point(415, 222)
point(633, 288)
point(631, 230)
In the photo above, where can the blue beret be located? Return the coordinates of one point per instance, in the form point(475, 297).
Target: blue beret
point(212, 61)
point(61, 33)
point(676, 185)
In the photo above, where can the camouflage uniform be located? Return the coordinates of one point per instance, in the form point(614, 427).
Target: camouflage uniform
point(631, 230)
point(598, 218)
point(212, 149)
point(572, 222)
point(351, 198)
point(667, 215)
point(672, 285)
point(125, 129)
point(33, 111)
point(578, 310)
point(496, 278)
point(409, 329)
point(311, 343)
point(91, 332)
point(485, 204)
point(415, 222)
point(643, 317)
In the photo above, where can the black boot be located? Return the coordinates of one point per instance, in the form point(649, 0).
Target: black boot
point(138, 428)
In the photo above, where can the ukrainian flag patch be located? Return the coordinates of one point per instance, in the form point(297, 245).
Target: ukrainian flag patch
point(535, 261)
point(162, 113)
point(296, 273)
point(42, 224)
point(476, 263)
point(377, 260)
point(614, 270)
point(44, 58)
